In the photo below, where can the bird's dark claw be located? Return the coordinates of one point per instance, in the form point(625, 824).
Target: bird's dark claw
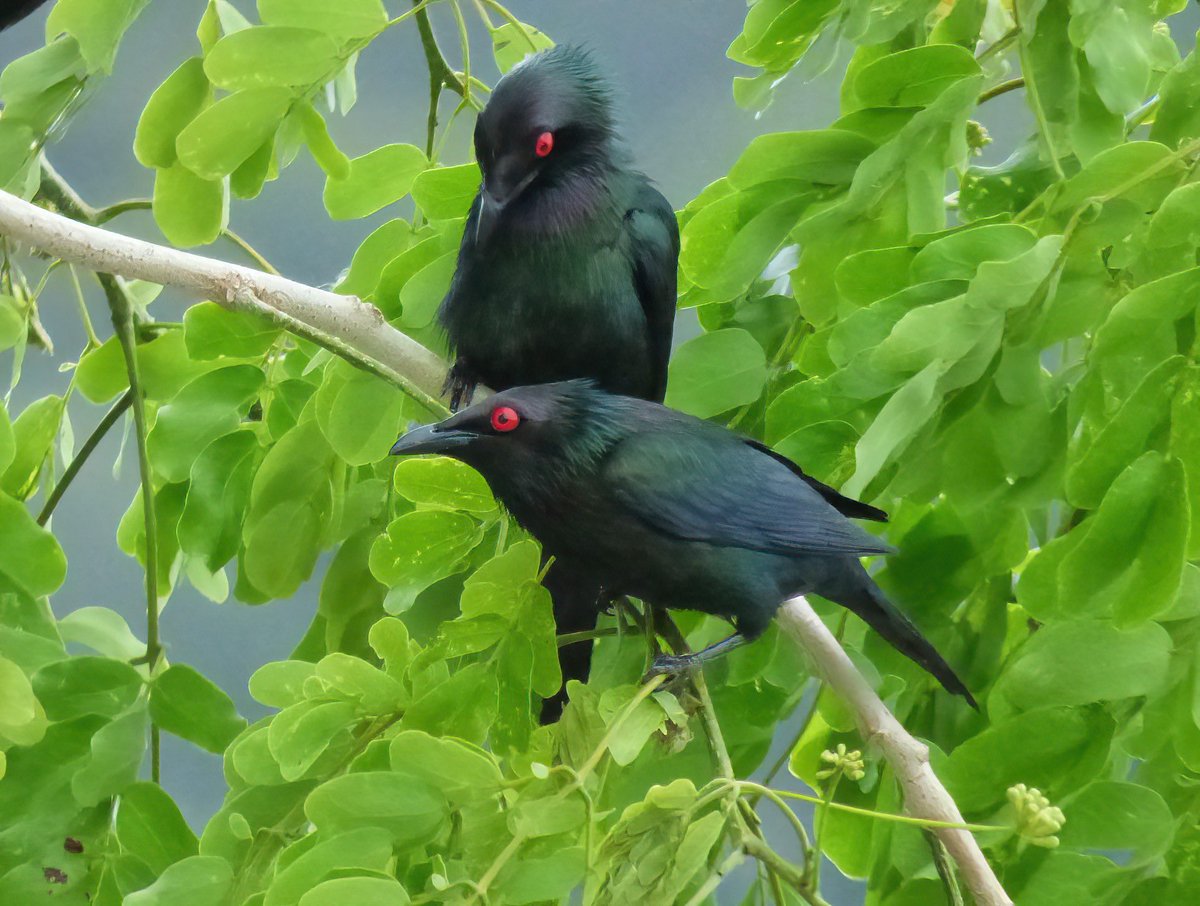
point(670, 665)
point(460, 385)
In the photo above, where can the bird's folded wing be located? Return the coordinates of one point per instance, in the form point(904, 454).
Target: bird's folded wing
point(711, 487)
point(654, 243)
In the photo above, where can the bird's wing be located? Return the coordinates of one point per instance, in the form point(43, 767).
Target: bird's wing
point(711, 486)
point(847, 506)
point(654, 245)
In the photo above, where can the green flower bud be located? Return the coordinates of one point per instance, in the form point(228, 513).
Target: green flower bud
point(1037, 820)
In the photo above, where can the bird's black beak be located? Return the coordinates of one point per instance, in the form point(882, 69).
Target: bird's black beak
point(432, 439)
point(490, 209)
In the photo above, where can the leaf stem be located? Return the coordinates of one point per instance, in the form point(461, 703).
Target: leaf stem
point(93, 340)
point(1035, 101)
point(122, 318)
point(513, 21)
point(101, 216)
point(945, 870)
point(999, 45)
point(882, 816)
point(89, 445)
point(1002, 88)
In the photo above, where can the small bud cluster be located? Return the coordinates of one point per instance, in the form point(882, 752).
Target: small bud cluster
point(977, 137)
point(1037, 820)
point(848, 764)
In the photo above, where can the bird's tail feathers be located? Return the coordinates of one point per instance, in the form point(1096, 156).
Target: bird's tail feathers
point(873, 606)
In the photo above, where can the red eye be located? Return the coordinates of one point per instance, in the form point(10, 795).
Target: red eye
point(544, 144)
point(505, 418)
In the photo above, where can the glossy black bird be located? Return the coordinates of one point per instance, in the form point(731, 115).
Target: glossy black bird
point(674, 510)
point(568, 257)
point(13, 11)
point(566, 269)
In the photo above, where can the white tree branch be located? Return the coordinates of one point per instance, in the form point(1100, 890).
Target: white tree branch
point(924, 795)
point(351, 326)
point(345, 319)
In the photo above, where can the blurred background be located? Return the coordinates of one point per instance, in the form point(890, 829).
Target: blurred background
point(667, 62)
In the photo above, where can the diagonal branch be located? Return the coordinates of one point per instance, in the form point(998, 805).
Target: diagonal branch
point(924, 795)
point(345, 322)
point(361, 330)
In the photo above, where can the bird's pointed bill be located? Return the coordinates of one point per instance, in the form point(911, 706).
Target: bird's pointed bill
point(431, 439)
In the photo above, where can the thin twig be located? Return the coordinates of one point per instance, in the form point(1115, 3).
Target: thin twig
point(1002, 88)
point(941, 861)
point(122, 318)
point(68, 475)
point(1000, 45)
point(1035, 102)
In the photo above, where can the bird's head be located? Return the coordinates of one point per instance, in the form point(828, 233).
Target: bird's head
point(547, 125)
point(537, 430)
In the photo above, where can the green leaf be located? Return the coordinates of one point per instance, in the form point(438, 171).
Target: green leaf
point(1072, 663)
point(635, 730)
point(344, 19)
point(445, 193)
point(13, 328)
point(22, 720)
point(268, 56)
point(211, 332)
point(547, 817)
point(185, 703)
point(959, 255)
point(86, 685)
point(281, 683)
point(30, 557)
point(367, 848)
point(150, 825)
point(1114, 815)
point(897, 423)
point(716, 372)
point(825, 156)
point(218, 494)
point(1130, 562)
point(359, 413)
point(1124, 437)
point(189, 209)
point(419, 549)
point(359, 891)
point(104, 631)
point(300, 734)
point(117, 752)
point(194, 881)
point(207, 408)
point(1052, 749)
point(316, 135)
point(552, 877)
point(174, 104)
point(223, 136)
point(409, 810)
point(98, 26)
point(8, 443)
point(443, 482)
point(375, 253)
point(424, 291)
point(369, 687)
point(458, 770)
point(511, 45)
point(290, 500)
point(465, 705)
point(376, 180)
point(27, 77)
point(34, 432)
point(912, 78)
